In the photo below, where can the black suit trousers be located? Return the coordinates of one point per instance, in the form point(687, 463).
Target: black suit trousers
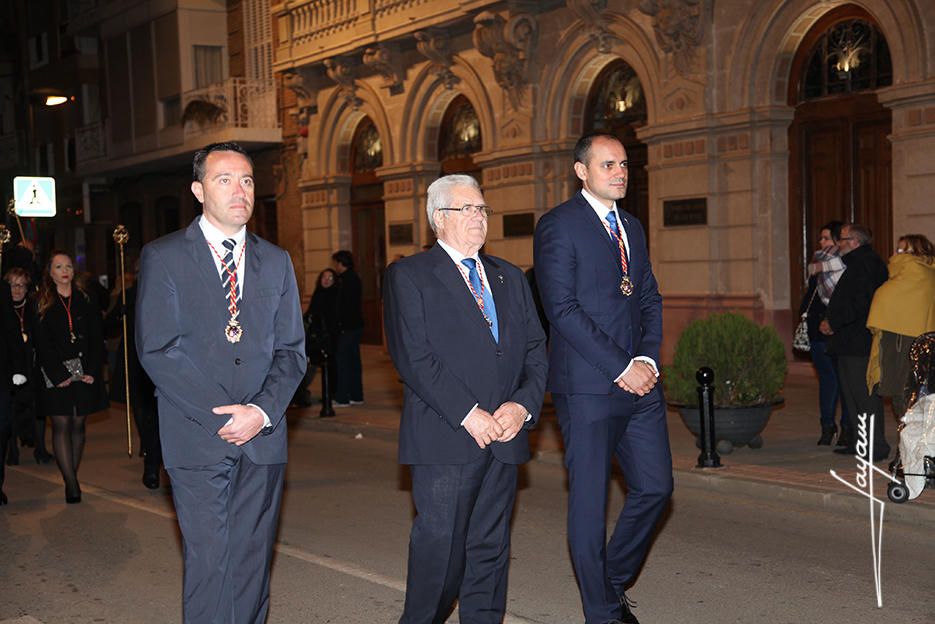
point(459, 546)
point(228, 514)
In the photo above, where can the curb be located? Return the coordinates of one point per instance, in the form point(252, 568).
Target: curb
point(722, 480)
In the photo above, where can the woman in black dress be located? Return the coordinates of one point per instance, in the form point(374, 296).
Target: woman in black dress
point(69, 346)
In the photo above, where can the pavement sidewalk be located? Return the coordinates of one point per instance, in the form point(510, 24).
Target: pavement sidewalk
point(789, 469)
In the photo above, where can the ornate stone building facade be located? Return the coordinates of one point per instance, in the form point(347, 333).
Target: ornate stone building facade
point(746, 128)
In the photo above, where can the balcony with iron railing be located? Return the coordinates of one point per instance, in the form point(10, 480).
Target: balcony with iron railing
point(239, 109)
point(313, 30)
point(242, 107)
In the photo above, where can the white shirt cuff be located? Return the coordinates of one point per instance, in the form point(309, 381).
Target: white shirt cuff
point(470, 411)
point(641, 358)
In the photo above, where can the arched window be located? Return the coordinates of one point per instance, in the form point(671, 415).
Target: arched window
point(459, 138)
point(366, 148)
point(851, 56)
point(617, 105)
point(617, 102)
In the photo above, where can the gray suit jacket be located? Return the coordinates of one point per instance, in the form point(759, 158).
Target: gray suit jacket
point(181, 316)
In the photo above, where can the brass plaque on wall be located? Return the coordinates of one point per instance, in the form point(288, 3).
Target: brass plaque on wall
point(693, 211)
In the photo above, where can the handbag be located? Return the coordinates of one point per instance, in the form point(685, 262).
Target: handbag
point(800, 341)
point(72, 365)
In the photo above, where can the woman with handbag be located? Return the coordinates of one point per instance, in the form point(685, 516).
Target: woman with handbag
point(70, 351)
point(824, 271)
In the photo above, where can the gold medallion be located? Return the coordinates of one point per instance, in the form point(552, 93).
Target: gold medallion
point(233, 331)
point(626, 286)
point(25, 336)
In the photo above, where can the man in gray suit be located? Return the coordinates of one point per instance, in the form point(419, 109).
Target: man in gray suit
point(220, 333)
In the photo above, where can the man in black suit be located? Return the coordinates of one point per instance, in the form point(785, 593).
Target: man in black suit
point(220, 333)
point(348, 383)
point(846, 325)
point(463, 333)
point(605, 310)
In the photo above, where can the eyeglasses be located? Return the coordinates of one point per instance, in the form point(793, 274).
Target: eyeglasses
point(847, 238)
point(16, 285)
point(469, 210)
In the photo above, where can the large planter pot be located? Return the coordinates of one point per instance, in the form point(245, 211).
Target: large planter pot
point(733, 426)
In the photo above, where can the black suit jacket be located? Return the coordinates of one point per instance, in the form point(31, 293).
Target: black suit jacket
point(449, 360)
point(595, 329)
point(850, 302)
point(181, 316)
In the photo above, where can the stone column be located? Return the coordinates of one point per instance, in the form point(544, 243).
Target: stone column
point(326, 222)
point(404, 188)
point(913, 140)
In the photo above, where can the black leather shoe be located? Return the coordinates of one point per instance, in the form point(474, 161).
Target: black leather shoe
point(3, 499)
point(827, 435)
point(41, 456)
point(844, 439)
point(626, 616)
point(151, 478)
point(73, 494)
point(846, 450)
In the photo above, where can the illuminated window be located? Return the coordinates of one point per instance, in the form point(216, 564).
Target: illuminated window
point(850, 56)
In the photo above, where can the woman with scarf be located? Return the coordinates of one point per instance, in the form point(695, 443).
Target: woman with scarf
point(824, 271)
point(903, 308)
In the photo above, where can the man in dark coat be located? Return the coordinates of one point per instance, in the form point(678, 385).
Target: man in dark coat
point(12, 366)
point(349, 387)
point(846, 323)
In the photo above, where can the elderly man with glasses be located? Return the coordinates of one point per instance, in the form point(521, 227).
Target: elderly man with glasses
point(464, 335)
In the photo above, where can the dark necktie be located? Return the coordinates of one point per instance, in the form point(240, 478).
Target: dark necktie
point(485, 302)
point(230, 270)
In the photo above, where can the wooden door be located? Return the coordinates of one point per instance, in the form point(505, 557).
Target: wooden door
point(369, 249)
point(840, 169)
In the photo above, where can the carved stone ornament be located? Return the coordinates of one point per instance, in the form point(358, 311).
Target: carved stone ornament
point(433, 45)
point(385, 61)
point(342, 71)
point(679, 29)
point(509, 43)
point(591, 13)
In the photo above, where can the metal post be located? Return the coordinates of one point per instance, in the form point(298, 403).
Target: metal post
point(709, 457)
point(326, 409)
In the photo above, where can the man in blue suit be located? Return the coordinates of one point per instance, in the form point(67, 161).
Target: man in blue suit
point(220, 333)
point(463, 333)
point(603, 303)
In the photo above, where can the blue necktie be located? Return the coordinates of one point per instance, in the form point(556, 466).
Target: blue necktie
point(489, 309)
point(231, 270)
point(611, 219)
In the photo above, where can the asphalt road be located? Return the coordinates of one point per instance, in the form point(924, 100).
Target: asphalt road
point(719, 558)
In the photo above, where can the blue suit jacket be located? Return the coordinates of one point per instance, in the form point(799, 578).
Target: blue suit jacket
point(181, 316)
point(595, 329)
point(448, 359)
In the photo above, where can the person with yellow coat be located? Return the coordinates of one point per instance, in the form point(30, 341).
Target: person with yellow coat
point(903, 308)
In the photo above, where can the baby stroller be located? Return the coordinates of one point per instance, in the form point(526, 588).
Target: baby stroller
point(914, 465)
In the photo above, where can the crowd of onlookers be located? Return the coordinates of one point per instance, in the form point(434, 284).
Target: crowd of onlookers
point(63, 345)
point(863, 314)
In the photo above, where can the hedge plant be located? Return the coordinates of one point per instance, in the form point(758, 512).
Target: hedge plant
point(749, 362)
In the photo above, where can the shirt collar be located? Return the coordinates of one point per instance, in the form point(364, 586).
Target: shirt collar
point(456, 256)
point(216, 236)
point(598, 207)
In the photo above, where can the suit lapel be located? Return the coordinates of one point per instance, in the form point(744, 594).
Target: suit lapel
point(252, 270)
point(597, 227)
point(501, 295)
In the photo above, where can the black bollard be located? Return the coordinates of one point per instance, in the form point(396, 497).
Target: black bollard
point(326, 408)
point(709, 457)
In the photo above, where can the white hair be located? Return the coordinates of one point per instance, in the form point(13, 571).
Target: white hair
point(440, 191)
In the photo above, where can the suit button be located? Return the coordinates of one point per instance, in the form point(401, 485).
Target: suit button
point(237, 361)
point(499, 352)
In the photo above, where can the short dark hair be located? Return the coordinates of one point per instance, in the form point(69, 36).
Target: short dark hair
point(861, 232)
point(198, 162)
point(834, 227)
point(583, 146)
point(343, 256)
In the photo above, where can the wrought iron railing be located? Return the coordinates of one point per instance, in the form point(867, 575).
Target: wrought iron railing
point(234, 103)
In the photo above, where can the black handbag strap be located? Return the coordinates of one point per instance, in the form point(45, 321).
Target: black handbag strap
point(809, 306)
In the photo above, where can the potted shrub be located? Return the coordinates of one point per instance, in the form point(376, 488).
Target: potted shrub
point(749, 363)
